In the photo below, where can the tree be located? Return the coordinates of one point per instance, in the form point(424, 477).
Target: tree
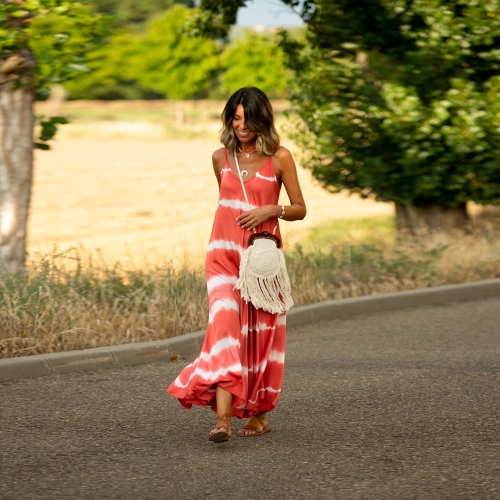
point(20, 74)
point(112, 74)
point(174, 64)
point(399, 99)
point(171, 62)
point(153, 60)
point(262, 65)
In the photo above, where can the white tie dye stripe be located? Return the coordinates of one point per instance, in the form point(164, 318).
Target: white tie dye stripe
point(220, 305)
point(237, 204)
point(218, 347)
point(224, 245)
point(208, 376)
point(270, 179)
point(257, 328)
point(220, 280)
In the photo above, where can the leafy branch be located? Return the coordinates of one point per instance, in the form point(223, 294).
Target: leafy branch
point(48, 131)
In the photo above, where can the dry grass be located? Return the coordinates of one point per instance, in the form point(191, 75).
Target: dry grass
point(65, 303)
point(344, 259)
point(353, 270)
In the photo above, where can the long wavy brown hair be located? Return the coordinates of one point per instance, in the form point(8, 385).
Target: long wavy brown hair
point(259, 119)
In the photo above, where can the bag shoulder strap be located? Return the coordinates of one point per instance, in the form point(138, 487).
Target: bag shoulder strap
point(241, 179)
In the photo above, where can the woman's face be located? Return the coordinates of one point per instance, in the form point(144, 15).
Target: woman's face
point(243, 134)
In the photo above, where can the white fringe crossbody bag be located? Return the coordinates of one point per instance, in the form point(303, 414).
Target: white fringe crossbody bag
point(263, 278)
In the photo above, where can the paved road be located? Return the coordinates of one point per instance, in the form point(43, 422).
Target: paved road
point(401, 405)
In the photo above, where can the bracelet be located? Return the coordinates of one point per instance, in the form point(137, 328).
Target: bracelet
point(281, 210)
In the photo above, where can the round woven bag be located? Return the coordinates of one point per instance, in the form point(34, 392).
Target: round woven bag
point(263, 278)
point(263, 258)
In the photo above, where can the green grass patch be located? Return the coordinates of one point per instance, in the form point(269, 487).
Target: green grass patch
point(364, 230)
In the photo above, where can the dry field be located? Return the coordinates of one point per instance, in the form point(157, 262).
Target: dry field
point(127, 182)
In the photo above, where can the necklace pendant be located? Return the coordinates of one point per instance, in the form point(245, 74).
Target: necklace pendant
point(247, 155)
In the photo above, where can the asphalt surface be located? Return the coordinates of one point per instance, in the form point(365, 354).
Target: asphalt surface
point(397, 405)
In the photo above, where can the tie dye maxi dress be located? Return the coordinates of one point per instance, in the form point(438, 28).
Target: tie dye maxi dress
point(244, 348)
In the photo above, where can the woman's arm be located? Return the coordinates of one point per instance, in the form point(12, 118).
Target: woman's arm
point(218, 163)
point(285, 169)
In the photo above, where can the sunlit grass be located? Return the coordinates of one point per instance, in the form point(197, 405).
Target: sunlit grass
point(363, 230)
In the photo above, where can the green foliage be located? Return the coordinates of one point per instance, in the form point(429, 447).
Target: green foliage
point(111, 70)
point(164, 61)
point(112, 74)
point(401, 100)
point(132, 11)
point(61, 43)
point(59, 32)
point(48, 129)
point(254, 60)
point(172, 63)
point(215, 17)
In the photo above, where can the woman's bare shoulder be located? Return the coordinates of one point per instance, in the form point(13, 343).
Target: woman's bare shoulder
point(218, 158)
point(283, 157)
point(282, 154)
point(218, 154)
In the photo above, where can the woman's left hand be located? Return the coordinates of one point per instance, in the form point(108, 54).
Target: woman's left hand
point(253, 218)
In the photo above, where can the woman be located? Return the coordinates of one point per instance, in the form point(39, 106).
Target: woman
point(239, 371)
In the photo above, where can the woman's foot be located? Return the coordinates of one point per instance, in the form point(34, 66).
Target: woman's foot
point(255, 426)
point(222, 430)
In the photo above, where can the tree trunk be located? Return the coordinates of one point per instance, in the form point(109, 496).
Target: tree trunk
point(430, 218)
point(16, 170)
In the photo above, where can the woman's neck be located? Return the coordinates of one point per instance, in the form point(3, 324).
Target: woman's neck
point(248, 147)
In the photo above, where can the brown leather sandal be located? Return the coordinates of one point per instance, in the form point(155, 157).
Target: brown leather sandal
point(257, 431)
point(221, 433)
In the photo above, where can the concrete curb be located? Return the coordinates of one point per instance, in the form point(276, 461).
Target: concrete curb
point(189, 345)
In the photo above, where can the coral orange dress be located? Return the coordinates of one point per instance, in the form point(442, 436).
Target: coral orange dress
point(244, 348)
